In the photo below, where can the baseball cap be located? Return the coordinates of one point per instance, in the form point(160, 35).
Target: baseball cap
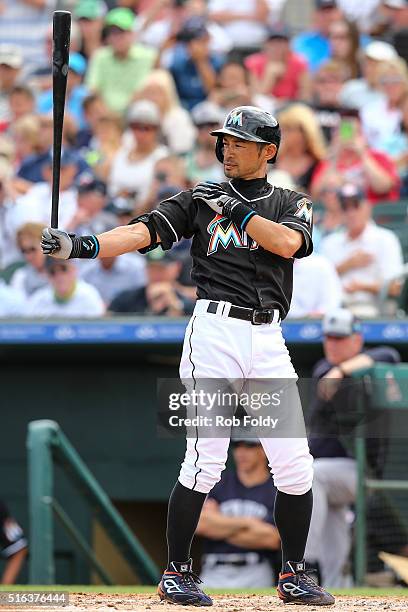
point(77, 63)
point(145, 112)
point(193, 28)
point(122, 18)
point(121, 205)
point(53, 262)
point(279, 31)
point(10, 55)
point(349, 191)
point(380, 51)
point(323, 4)
point(395, 4)
point(88, 183)
point(341, 323)
point(89, 9)
point(162, 257)
point(207, 112)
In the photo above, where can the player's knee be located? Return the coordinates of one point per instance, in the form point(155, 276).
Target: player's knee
point(201, 477)
point(295, 478)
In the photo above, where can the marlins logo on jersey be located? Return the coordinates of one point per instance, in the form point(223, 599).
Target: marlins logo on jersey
point(304, 210)
point(223, 232)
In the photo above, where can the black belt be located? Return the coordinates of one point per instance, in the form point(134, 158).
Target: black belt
point(253, 315)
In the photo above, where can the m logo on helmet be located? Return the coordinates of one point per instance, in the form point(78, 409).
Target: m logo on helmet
point(235, 118)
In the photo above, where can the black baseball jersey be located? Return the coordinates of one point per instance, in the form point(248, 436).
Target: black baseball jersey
point(227, 264)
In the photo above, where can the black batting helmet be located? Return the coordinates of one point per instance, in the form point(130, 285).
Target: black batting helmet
point(249, 123)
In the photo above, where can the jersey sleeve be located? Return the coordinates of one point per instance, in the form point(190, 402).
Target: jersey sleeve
point(174, 218)
point(297, 214)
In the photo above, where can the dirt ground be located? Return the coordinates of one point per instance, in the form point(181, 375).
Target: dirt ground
point(85, 602)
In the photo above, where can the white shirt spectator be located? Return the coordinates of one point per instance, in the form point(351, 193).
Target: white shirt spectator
point(9, 252)
point(128, 272)
point(241, 32)
point(134, 176)
point(377, 132)
point(363, 12)
point(11, 301)
point(316, 287)
point(85, 302)
point(387, 261)
point(27, 280)
point(35, 206)
point(25, 25)
point(356, 93)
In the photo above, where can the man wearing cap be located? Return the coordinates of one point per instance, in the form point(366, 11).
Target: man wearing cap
point(357, 93)
point(335, 474)
point(200, 162)
point(117, 70)
point(365, 255)
point(193, 66)
point(241, 542)
point(65, 296)
point(89, 17)
point(11, 61)
point(278, 71)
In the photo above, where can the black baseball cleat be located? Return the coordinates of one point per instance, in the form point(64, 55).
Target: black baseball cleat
point(179, 585)
point(297, 587)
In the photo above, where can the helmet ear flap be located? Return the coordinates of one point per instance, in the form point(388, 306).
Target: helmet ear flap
point(219, 152)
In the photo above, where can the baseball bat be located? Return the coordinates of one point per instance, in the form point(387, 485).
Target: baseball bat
point(61, 30)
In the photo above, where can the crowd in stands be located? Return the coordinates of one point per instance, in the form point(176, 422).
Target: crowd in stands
point(148, 80)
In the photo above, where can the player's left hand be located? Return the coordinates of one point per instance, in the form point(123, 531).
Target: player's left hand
point(213, 195)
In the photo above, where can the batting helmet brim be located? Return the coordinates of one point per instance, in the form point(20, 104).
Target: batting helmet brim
point(238, 134)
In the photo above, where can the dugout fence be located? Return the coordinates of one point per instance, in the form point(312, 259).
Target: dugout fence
point(47, 447)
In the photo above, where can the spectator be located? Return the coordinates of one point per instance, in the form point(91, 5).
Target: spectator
point(104, 144)
point(330, 219)
point(132, 167)
point(233, 89)
point(9, 252)
point(118, 70)
point(25, 23)
point(32, 276)
point(277, 71)
point(65, 296)
point(303, 146)
point(13, 545)
point(176, 124)
point(396, 146)
point(200, 162)
point(393, 83)
point(21, 102)
point(344, 39)
point(335, 471)
point(27, 137)
point(76, 91)
point(373, 171)
point(243, 23)
point(356, 93)
point(11, 62)
point(241, 541)
point(35, 204)
point(160, 296)
point(391, 16)
point(93, 108)
point(169, 178)
point(11, 301)
point(327, 83)
point(193, 66)
point(89, 16)
point(90, 216)
point(314, 45)
point(113, 275)
point(365, 255)
point(316, 288)
point(363, 14)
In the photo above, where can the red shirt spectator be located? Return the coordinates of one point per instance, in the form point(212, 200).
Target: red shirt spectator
point(277, 70)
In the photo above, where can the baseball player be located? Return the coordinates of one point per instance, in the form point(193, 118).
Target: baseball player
point(245, 234)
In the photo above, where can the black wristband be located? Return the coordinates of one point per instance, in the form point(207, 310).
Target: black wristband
point(84, 247)
point(237, 211)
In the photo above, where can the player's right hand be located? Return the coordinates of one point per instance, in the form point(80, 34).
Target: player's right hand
point(56, 243)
